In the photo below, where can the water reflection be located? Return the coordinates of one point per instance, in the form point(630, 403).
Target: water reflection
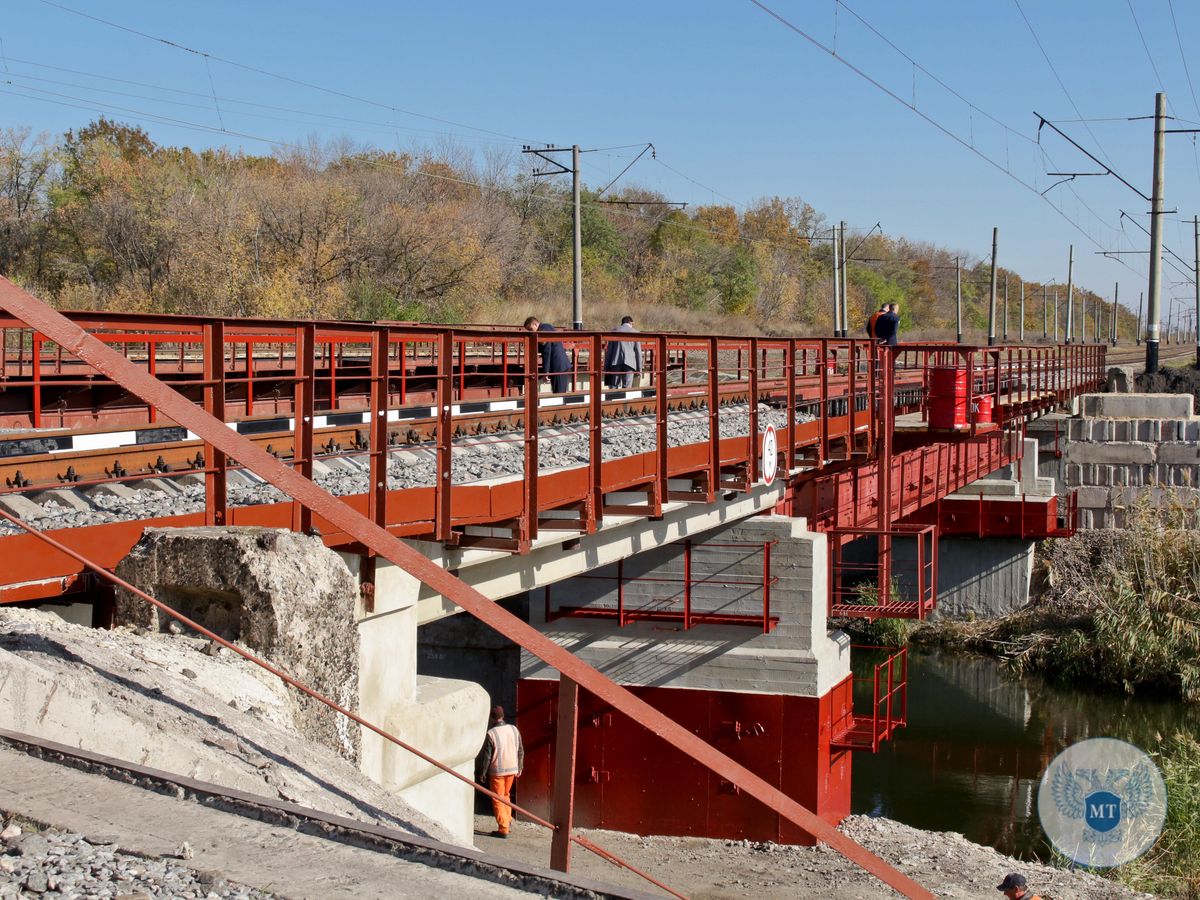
point(978, 740)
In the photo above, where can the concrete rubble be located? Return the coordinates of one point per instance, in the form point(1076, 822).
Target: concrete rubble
point(171, 702)
point(54, 863)
point(283, 595)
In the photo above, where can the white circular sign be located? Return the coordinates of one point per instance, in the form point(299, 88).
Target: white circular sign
point(770, 455)
point(1102, 802)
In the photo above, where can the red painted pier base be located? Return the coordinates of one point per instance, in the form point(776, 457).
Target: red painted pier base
point(629, 780)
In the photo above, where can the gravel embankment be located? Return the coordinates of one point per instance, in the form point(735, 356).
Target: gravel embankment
point(55, 864)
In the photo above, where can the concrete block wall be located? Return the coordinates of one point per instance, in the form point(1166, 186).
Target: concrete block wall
point(799, 657)
point(1125, 449)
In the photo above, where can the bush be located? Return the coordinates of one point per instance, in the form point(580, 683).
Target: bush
point(1172, 867)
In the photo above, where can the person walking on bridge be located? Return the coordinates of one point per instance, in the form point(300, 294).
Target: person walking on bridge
point(622, 359)
point(555, 362)
point(871, 322)
point(506, 761)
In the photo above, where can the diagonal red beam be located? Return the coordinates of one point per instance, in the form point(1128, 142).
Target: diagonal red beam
point(76, 341)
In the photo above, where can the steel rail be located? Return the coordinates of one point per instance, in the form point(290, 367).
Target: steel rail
point(78, 342)
point(315, 695)
point(341, 829)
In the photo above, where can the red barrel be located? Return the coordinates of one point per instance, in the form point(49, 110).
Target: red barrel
point(947, 397)
point(982, 409)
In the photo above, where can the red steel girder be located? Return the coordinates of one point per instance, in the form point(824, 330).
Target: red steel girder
point(79, 343)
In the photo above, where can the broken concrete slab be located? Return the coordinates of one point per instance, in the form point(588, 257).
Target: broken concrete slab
point(282, 594)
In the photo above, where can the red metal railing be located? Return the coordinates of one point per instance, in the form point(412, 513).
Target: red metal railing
point(359, 527)
point(888, 682)
point(896, 578)
point(560, 835)
point(689, 592)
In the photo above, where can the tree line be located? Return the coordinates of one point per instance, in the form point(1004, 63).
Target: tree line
point(106, 218)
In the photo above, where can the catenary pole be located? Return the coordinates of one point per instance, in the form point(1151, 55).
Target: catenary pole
point(837, 287)
point(1071, 293)
point(845, 285)
point(958, 297)
point(992, 296)
point(577, 244)
point(1196, 276)
point(1154, 311)
point(1112, 322)
point(1006, 307)
point(1056, 315)
point(1137, 331)
point(1021, 324)
point(1045, 314)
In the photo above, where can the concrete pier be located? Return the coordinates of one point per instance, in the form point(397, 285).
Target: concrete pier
point(768, 699)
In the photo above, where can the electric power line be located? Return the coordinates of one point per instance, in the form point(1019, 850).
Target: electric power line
point(176, 45)
point(1054, 71)
point(787, 23)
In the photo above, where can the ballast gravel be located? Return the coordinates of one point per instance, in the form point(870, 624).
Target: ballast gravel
point(61, 864)
point(478, 458)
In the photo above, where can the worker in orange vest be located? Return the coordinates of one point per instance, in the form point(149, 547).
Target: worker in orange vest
point(505, 754)
point(874, 319)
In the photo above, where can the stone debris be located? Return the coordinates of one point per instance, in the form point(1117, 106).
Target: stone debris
point(60, 864)
point(946, 863)
point(482, 458)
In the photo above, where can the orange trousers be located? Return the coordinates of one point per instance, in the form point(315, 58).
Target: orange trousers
point(502, 785)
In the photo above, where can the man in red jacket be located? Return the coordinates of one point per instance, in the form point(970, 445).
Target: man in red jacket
point(506, 761)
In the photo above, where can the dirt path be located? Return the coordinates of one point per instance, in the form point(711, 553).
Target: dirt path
point(948, 864)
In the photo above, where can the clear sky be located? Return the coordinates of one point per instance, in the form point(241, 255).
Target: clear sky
point(737, 104)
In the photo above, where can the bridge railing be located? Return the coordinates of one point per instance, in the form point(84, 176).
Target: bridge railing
point(691, 421)
point(299, 486)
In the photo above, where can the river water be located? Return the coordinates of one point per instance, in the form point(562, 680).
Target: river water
point(978, 740)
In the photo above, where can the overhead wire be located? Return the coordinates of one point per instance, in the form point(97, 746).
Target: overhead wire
point(73, 102)
point(1183, 56)
point(207, 56)
point(346, 95)
point(819, 44)
point(1058, 78)
point(381, 126)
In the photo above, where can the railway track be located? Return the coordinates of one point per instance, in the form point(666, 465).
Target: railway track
point(30, 461)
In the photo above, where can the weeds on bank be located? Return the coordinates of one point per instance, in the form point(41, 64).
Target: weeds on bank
point(1172, 867)
point(1115, 608)
point(885, 632)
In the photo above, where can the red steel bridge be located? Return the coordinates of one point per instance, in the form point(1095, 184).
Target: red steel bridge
point(869, 441)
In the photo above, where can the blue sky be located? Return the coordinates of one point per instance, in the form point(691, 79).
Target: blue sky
point(738, 105)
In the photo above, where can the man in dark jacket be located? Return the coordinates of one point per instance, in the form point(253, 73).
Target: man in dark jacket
point(555, 362)
point(894, 313)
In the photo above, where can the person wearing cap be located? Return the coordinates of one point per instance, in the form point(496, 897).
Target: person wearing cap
point(506, 760)
point(1015, 887)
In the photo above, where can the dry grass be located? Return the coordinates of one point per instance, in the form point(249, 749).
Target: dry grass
point(1116, 608)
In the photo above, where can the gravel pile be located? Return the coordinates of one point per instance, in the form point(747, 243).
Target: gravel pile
point(62, 864)
point(475, 459)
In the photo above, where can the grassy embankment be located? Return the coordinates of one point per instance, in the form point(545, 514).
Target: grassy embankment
point(1117, 609)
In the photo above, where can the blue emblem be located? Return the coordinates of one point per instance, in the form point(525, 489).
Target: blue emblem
point(1102, 811)
point(1102, 802)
